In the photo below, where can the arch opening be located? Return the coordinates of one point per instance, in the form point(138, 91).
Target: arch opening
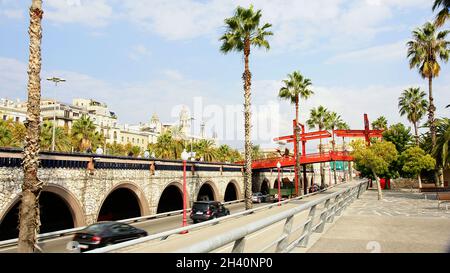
point(231, 192)
point(122, 203)
point(206, 193)
point(171, 199)
point(265, 187)
point(55, 214)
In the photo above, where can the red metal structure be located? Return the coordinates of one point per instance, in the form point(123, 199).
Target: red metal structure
point(289, 161)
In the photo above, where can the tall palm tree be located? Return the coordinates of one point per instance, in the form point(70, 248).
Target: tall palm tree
point(319, 119)
point(380, 123)
point(164, 146)
point(205, 150)
point(424, 51)
point(83, 132)
point(29, 220)
point(334, 120)
point(444, 14)
point(223, 153)
point(243, 31)
point(413, 104)
point(296, 87)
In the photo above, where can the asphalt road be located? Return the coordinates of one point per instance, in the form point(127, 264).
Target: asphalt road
point(58, 245)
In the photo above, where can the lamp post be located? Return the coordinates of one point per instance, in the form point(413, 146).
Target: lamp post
point(279, 183)
point(56, 80)
point(184, 157)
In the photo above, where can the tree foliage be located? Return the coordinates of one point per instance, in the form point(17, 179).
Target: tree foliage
point(399, 135)
point(414, 160)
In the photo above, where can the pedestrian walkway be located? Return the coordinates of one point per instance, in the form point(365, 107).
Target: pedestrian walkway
point(403, 222)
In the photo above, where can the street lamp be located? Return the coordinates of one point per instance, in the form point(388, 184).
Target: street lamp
point(56, 81)
point(279, 182)
point(184, 157)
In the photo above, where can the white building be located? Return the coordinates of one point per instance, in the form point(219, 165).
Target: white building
point(12, 110)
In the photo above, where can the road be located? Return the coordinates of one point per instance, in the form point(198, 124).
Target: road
point(58, 245)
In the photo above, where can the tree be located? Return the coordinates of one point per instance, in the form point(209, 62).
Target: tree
point(83, 133)
point(441, 151)
point(62, 140)
point(205, 150)
point(223, 153)
point(399, 135)
point(380, 123)
point(414, 160)
point(116, 149)
point(334, 122)
point(164, 146)
point(256, 152)
point(296, 87)
point(424, 51)
point(413, 104)
point(376, 158)
point(444, 14)
point(319, 118)
point(29, 220)
point(243, 30)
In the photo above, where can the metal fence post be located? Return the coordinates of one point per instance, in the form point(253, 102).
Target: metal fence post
point(323, 217)
point(333, 210)
point(307, 229)
point(359, 190)
point(286, 232)
point(239, 245)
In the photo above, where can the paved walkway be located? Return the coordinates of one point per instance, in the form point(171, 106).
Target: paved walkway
point(403, 222)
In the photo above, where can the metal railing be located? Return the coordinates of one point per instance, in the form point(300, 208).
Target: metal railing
point(342, 199)
point(66, 232)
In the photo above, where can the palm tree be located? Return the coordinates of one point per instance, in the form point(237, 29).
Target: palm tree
point(205, 150)
point(164, 146)
point(256, 152)
point(83, 133)
point(441, 151)
point(62, 140)
point(444, 14)
point(334, 121)
point(319, 118)
point(243, 30)
point(413, 104)
point(296, 87)
point(29, 220)
point(424, 51)
point(223, 153)
point(380, 123)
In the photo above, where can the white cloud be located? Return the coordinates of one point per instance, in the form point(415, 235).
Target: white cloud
point(388, 52)
point(92, 13)
point(138, 52)
point(12, 13)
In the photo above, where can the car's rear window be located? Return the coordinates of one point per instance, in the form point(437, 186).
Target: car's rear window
point(95, 228)
point(200, 206)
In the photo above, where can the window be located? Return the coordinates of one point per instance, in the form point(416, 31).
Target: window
point(122, 139)
point(17, 119)
point(133, 140)
point(4, 117)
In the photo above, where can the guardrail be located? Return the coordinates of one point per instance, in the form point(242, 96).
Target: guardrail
point(61, 233)
point(238, 235)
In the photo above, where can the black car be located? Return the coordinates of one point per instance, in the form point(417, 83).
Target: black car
point(207, 210)
point(103, 234)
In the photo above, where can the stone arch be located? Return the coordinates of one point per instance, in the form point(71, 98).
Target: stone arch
point(208, 188)
point(50, 192)
point(265, 186)
point(135, 191)
point(232, 187)
point(171, 187)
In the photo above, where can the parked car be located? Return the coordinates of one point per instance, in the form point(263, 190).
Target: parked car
point(207, 210)
point(258, 197)
point(104, 234)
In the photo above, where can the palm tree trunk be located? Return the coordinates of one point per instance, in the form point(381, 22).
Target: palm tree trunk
point(247, 116)
point(431, 110)
point(380, 193)
point(29, 220)
point(297, 158)
point(416, 132)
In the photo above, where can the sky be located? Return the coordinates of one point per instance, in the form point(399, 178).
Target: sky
point(154, 56)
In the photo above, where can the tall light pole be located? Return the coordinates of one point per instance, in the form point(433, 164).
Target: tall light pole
point(56, 80)
point(279, 183)
point(184, 157)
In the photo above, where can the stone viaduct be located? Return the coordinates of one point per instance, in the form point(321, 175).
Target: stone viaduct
point(80, 189)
